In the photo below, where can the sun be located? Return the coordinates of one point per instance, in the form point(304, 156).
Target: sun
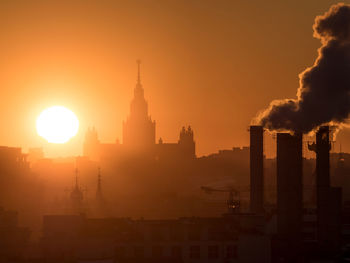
point(57, 124)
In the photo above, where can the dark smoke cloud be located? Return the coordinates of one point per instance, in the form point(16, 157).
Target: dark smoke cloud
point(324, 91)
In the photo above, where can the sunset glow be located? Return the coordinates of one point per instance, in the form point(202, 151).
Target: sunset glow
point(57, 124)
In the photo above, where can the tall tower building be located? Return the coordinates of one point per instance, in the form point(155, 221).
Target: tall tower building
point(139, 130)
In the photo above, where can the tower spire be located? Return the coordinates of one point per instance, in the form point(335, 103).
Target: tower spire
point(138, 91)
point(76, 178)
point(138, 71)
point(76, 196)
point(99, 187)
point(99, 179)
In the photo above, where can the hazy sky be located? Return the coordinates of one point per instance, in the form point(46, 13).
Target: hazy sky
point(210, 64)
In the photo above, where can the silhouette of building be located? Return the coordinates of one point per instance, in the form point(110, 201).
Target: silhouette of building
point(20, 188)
point(184, 149)
point(223, 239)
point(100, 204)
point(139, 136)
point(76, 203)
point(13, 158)
point(13, 239)
point(139, 130)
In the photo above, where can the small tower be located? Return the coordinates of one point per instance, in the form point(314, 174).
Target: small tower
point(76, 197)
point(187, 145)
point(101, 208)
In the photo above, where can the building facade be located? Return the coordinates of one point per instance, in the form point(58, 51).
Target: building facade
point(221, 239)
point(139, 136)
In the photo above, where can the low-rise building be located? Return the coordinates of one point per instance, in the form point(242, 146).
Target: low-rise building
point(13, 239)
point(222, 239)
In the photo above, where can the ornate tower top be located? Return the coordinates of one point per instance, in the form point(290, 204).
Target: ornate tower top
point(76, 194)
point(139, 92)
point(138, 72)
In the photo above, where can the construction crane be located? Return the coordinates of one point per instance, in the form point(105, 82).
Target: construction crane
point(232, 204)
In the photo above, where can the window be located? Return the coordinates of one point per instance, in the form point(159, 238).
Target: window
point(176, 252)
point(157, 233)
point(120, 252)
point(157, 251)
point(139, 252)
point(176, 233)
point(194, 233)
point(136, 236)
point(231, 251)
point(212, 233)
point(195, 252)
point(213, 252)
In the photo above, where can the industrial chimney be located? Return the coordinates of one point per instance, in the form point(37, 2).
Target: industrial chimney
point(289, 192)
point(329, 199)
point(256, 170)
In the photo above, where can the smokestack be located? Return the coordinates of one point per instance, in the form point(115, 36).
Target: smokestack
point(322, 183)
point(289, 192)
point(323, 95)
point(322, 158)
point(329, 198)
point(256, 169)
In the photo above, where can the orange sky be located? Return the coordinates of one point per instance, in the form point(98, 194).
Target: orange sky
point(211, 64)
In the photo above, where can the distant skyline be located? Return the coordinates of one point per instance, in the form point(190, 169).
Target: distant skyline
point(209, 65)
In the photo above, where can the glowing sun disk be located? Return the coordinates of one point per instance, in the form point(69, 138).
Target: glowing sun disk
point(57, 124)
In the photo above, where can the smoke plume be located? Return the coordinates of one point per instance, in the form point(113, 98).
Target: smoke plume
point(323, 95)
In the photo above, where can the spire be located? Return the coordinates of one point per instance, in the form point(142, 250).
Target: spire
point(100, 201)
point(138, 91)
point(99, 180)
point(76, 177)
point(99, 187)
point(138, 72)
point(76, 194)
